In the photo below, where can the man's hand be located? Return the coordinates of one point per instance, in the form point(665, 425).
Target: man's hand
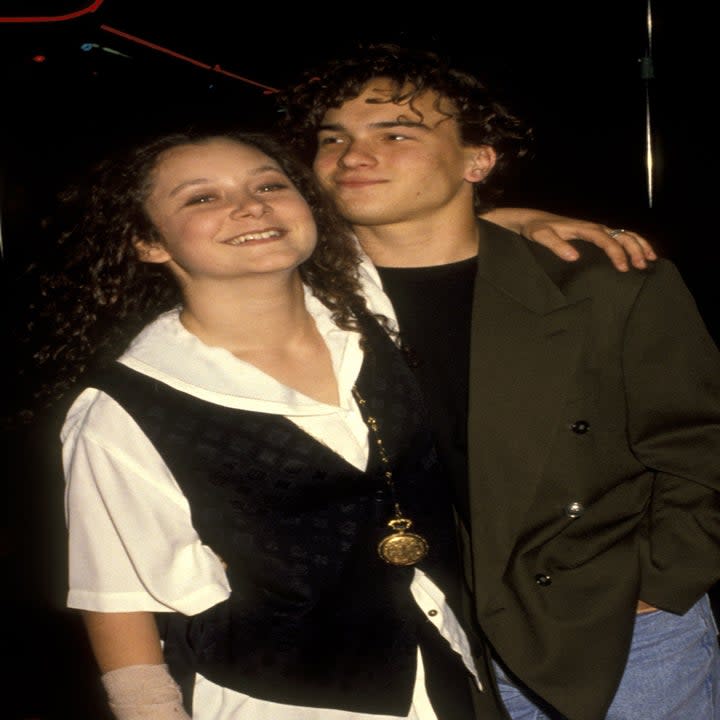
point(554, 231)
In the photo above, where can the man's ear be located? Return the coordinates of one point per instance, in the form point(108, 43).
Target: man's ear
point(150, 252)
point(481, 160)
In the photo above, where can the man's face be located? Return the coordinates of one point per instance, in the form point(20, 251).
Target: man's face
point(385, 163)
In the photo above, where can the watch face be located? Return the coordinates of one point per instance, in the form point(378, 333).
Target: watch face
point(402, 548)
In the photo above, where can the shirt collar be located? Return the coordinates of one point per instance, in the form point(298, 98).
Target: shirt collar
point(168, 352)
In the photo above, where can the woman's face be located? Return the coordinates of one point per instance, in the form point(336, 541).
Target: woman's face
point(225, 209)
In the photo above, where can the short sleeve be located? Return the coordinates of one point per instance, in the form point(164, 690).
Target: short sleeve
point(131, 543)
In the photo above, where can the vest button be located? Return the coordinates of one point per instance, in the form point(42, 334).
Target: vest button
point(580, 427)
point(543, 580)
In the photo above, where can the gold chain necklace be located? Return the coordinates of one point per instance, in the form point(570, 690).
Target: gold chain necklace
point(400, 547)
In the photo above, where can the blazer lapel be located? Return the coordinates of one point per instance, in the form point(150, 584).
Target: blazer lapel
point(525, 342)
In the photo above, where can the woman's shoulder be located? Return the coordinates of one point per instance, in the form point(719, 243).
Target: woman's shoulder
point(95, 413)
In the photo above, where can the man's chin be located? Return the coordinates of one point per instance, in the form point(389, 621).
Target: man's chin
point(363, 213)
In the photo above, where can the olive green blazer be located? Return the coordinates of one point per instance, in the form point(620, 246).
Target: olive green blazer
point(594, 463)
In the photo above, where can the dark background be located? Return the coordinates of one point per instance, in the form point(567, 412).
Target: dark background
point(577, 70)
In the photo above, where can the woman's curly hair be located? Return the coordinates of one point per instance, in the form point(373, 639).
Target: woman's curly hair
point(92, 294)
point(481, 119)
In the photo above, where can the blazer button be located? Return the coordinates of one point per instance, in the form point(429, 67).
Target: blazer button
point(580, 427)
point(574, 509)
point(543, 580)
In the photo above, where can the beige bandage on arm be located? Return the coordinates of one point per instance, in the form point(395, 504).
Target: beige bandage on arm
point(143, 692)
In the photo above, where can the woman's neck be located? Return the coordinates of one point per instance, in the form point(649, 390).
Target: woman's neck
point(250, 316)
point(270, 328)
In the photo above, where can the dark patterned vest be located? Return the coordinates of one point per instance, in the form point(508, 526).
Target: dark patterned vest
point(315, 617)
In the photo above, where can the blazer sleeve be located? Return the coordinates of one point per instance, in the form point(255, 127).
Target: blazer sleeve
point(671, 370)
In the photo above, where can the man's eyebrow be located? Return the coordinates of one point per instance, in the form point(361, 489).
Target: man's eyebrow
point(381, 125)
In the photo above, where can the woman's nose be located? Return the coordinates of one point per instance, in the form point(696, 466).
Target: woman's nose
point(250, 206)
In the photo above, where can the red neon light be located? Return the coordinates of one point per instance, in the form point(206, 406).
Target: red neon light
point(55, 18)
point(172, 53)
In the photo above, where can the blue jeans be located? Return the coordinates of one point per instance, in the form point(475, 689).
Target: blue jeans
point(672, 673)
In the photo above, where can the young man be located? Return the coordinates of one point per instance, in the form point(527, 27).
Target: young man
point(577, 408)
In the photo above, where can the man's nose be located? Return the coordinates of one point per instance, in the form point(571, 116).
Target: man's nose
point(357, 154)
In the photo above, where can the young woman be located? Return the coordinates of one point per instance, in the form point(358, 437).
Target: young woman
point(258, 525)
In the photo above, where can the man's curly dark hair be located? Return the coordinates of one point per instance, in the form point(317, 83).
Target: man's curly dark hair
point(481, 119)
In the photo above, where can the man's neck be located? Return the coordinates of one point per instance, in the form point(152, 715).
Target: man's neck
point(418, 244)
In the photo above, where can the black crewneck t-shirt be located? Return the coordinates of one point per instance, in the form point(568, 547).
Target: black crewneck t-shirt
point(434, 307)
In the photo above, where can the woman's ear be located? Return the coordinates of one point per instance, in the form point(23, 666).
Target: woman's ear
point(480, 161)
point(150, 252)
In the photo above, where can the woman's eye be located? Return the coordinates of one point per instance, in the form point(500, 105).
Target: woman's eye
point(329, 140)
point(271, 187)
point(199, 199)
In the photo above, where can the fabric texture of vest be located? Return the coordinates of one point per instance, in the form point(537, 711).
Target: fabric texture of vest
point(315, 617)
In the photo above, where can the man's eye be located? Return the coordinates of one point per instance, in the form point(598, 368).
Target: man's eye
point(397, 136)
point(329, 140)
